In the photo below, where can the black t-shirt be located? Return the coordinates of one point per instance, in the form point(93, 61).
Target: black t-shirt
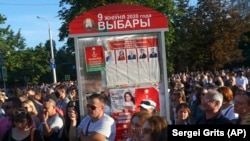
point(37, 136)
point(218, 119)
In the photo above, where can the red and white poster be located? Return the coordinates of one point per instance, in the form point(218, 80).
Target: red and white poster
point(125, 102)
point(94, 58)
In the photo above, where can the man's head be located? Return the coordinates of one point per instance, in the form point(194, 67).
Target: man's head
point(240, 73)
point(62, 91)
point(109, 53)
point(148, 105)
point(96, 105)
point(131, 52)
point(31, 93)
point(212, 101)
point(49, 105)
point(142, 50)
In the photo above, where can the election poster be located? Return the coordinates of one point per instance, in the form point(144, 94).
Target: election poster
point(132, 61)
point(94, 58)
point(125, 102)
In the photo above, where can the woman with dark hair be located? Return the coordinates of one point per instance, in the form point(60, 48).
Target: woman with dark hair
point(196, 110)
point(129, 101)
point(22, 129)
point(242, 107)
point(183, 112)
point(72, 107)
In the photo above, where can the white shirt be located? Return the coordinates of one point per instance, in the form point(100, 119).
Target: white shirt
point(229, 113)
point(55, 122)
point(242, 81)
point(105, 126)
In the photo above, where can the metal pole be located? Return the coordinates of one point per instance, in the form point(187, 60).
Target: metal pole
point(52, 60)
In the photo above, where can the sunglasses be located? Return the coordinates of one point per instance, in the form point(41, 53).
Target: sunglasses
point(20, 113)
point(92, 107)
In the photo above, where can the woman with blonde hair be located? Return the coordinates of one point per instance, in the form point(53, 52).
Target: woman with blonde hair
point(30, 107)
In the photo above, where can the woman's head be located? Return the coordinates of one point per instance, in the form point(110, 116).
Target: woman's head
point(178, 96)
point(72, 106)
point(183, 111)
point(242, 103)
point(153, 128)
point(30, 107)
point(121, 52)
point(129, 97)
point(227, 94)
point(136, 122)
point(21, 118)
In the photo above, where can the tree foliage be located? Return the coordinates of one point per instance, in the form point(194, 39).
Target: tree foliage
point(208, 36)
point(22, 63)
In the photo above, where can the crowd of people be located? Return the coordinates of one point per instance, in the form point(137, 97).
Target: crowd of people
point(52, 113)
point(220, 97)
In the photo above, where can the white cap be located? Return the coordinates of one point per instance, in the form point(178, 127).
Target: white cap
point(147, 104)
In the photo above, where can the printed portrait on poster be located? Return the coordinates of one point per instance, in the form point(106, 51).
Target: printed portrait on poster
point(109, 56)
point(122, 100)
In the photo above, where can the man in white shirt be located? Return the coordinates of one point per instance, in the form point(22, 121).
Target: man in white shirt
point(52, 124)
point(241, 80)
point(96, 125)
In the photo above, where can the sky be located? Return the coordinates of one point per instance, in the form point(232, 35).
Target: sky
point(22, 14)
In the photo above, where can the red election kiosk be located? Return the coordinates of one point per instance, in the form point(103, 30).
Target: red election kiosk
point(120, 48)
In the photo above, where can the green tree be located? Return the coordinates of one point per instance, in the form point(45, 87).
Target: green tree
point(211, 34)
point(25, 65)
point(35, 65)
point(65, 63)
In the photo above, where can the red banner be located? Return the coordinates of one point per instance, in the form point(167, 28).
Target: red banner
point(117, 17)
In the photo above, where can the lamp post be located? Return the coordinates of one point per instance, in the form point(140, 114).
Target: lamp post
point(52, 60)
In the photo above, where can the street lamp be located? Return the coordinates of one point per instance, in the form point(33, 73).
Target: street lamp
point(52, 60)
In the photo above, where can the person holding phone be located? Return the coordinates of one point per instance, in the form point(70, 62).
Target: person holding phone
point(72, 111)
point(52, 123)
point(96, 125)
